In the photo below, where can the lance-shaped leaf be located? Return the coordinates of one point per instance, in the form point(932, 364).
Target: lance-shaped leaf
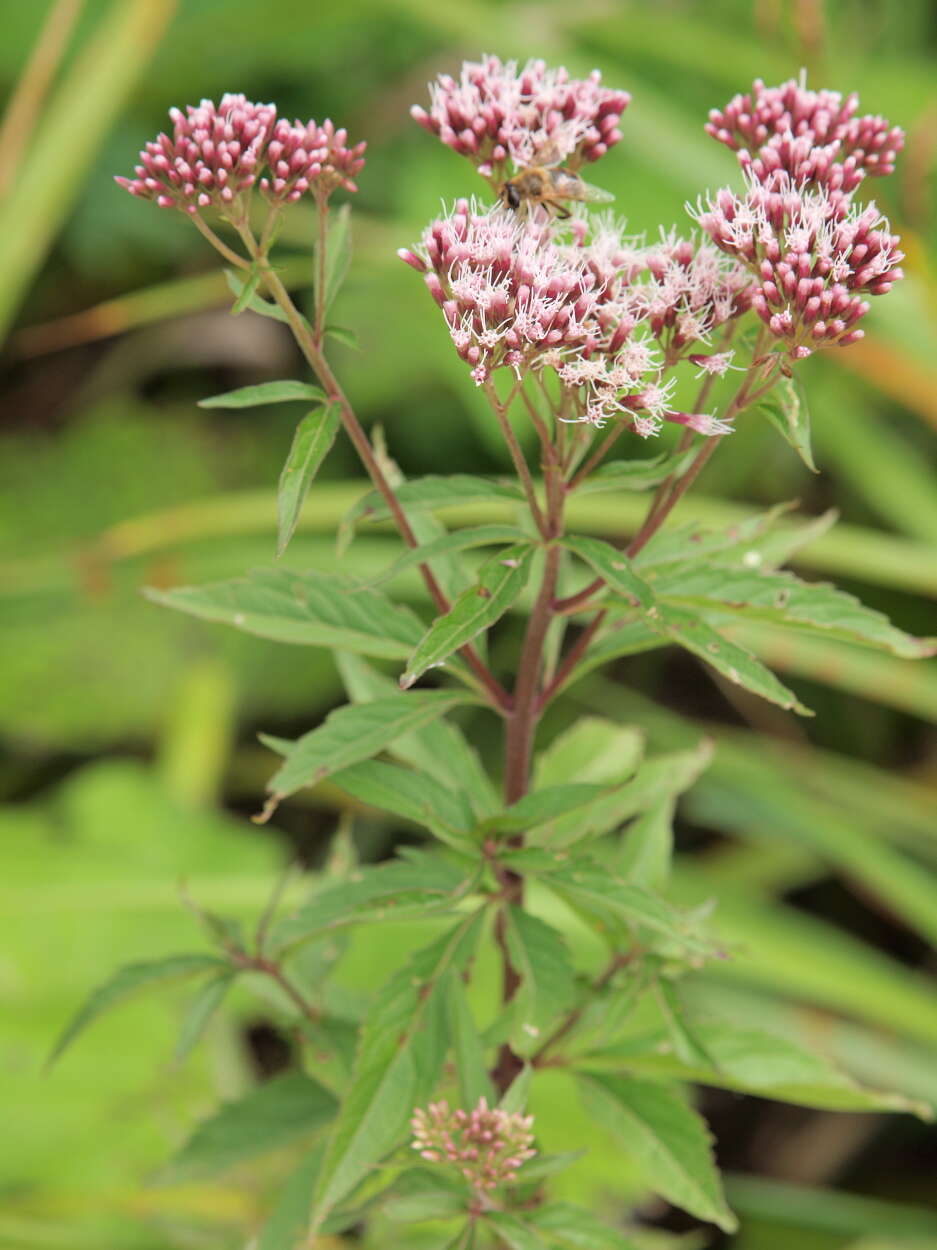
point(689, 544)
point(614, 567)
point(126, 981)
point(784, 599)
point(384, 891)
point(428, 494)
point(785, 406)
point(357, 732)
point(635, 475)
point(647, 849)
point(265, 393)
point(690, 631)
point(422, 1194)
point(401, 1054)
point(750, 1061)
point(539, 956)
point(309, 609)
point(312, 442)
point(207, 1000)
point(256, 303)
point(500, 581)
point(414, 795)
point(445, 544)
point(543, 805)
point(591, 750)
point(469, 1052)
point(248, 291)
point(668, 1138)
point(515, 1232)
point(286, 1225)
point(569, 1227)
point(277, 1112)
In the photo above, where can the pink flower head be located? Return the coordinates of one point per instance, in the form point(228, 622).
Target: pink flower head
point(307, 156)
point(217, 152)
point(214, 154)
point(812, 136)
point(817, 258)
point(496, 112)
point(486, 1146)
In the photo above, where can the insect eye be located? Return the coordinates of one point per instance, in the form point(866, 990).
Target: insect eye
point(513, 199)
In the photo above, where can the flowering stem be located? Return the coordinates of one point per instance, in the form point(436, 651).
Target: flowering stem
point(311, 349)
point(218, 244)
point(604, 447)
point(322, 205)
point(517, 455)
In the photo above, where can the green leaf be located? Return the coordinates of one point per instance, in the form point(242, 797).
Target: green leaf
point(307, 609)
point(471, 1070)
point(248, 291)
point(461, 540)
point(541, 806)
point(357, 732)
point(647, 849)
point(687, 545)
point(414, 795)
point(570, 1227)
point(785, 406)
point(515, 1097)
point(255, 302)
point(383, 891)
point(346, 337)
point(337, 252)
point(613, 566)
point(286, 1225)
point(203, 1006)
point(591, 750)
point(265, 393)
point(400, 1054)
point(668, 1138)
point(683, 1034)
point(635, 475)
point(500, 581)
point(421, 1194)
point(441, 750)
point(312, 442)
point(514, 1232)
point(733, 661)
point(127, 981)
point(275, 1113)
point(547, 986)
point(751, 1061)
point(784, 599)
point(428, 494)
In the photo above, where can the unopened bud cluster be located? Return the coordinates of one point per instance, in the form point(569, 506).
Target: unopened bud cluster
point(486, 1146)
point(816, 255)
point(217, 153)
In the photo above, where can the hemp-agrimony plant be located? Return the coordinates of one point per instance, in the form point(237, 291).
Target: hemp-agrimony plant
point(581, 339)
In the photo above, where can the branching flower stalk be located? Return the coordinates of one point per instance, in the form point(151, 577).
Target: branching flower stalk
point(597, 335)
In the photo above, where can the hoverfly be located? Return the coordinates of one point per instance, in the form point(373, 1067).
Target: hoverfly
point(545, 183)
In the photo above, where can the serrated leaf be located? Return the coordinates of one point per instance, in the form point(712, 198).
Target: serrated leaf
point(570, 1227)
point(428, 494)
point(515, 1232)
point(669, 1140)
point(783, 599)
point(460, 540)
point(613, 566)
point(272, 1115)
point(414, 795)
point(337, 252)
point(247, 293)
point(733, 661)
point(400, 1052)
point(306, 609)
point(312, 442)
point(635, 475)
point(689, 544)
point(127, 981)
point(203, 1006)
point(255, 303)
point(785, 406)
point(286, 1225)
point(500, 581)
point(441, 750)
point(357, 732)
point(547, 986)
point(381, 891)
point(266, 393)
point(471, 1070)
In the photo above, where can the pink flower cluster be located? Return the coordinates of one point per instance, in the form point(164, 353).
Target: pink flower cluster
point(486, 1145)
point(814, 253)
point(812, 136)
point(496, 112)
point(217, 152)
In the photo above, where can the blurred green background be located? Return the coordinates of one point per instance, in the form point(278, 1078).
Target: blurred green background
point(129, 757)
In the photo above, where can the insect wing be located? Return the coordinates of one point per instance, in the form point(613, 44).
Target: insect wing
point(594, 195)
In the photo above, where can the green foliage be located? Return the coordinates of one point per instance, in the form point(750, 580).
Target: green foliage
point(265, 393)
point(312, 442)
